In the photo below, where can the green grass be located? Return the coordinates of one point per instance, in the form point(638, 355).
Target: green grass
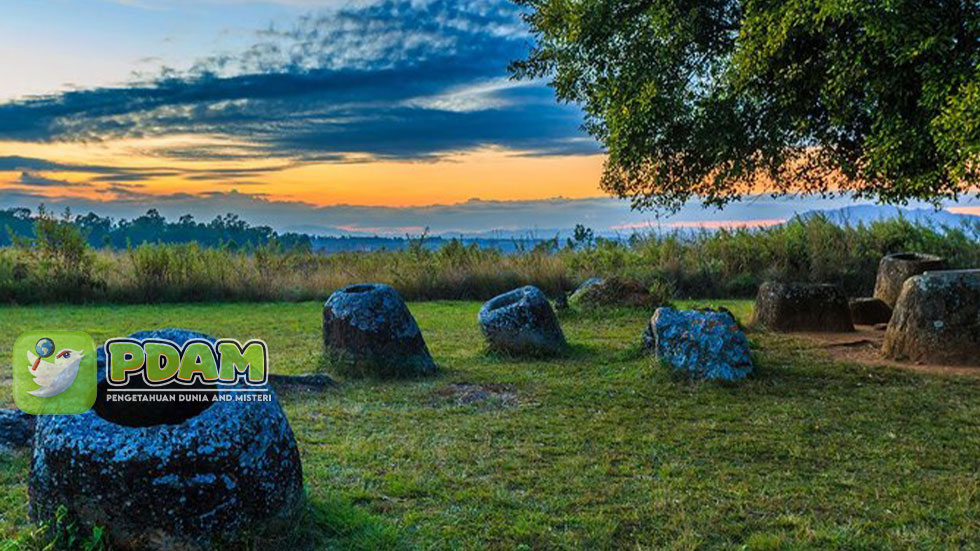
point(599, 450)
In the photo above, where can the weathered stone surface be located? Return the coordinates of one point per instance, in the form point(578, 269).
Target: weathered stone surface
point(207, 473)
point(16, 429)
point(615, 291)
point(368, 331)
point(894, 269)
point(649, 340)
point(521, 322)
point(802, 307)
point(701, 344)
point(937, 319)
point(583, 289)
point(869, 311)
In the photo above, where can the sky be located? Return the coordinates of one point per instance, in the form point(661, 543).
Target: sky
point(391, 110)
point(393, 103)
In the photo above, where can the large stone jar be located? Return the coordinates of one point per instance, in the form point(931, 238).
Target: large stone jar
point(869, 311)
point(698, 345)
point(894, 269)
point(937, 319)
point(521, 323)
point(368, 331)
point(817, 307)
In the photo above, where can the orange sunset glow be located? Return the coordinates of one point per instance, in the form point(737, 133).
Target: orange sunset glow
point(490, 173)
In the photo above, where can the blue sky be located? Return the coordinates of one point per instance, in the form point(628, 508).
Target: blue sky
point(393, 79)
point(51, 44)
point(281, 98)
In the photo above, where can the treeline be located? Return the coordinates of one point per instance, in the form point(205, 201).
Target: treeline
point(59, 264)
point(224, 231)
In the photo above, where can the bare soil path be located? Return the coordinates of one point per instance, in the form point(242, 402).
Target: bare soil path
point(863, 347)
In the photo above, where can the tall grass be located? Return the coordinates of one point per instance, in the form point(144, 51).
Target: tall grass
point(719, 264)
point(732, 263)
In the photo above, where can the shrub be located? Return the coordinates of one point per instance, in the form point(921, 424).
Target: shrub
point(56, 264)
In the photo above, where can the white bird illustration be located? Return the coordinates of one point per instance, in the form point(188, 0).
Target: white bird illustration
point(54, 377)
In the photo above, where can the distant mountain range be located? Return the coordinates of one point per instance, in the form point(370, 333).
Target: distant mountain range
point(853, 214)
point(334, 239)
point(492, 235)
point(865, 214)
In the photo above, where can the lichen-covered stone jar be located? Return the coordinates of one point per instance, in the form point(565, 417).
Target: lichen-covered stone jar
point(368, 331)
point(522, 323)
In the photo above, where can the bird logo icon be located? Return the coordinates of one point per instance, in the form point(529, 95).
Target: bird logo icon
point(54, 377)
point(55, 372)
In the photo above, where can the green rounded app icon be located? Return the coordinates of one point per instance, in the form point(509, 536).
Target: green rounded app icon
point(54, 372)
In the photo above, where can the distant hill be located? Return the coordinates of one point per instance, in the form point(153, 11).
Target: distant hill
point(330, 244)
point(334, 240)
point(530, 234)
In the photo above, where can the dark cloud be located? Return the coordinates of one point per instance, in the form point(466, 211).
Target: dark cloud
point(29, 179)
point(397, 79)
point(126, 193)
point(412, 132)
point(109, 174)
point(13, 163)
point(124, 176)
point(229, 173)
point(100, 173)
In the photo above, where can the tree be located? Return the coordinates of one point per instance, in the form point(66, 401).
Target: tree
point(714, 99)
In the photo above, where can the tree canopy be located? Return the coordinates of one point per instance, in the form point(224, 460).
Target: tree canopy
point(228, 231)
point(714, 99)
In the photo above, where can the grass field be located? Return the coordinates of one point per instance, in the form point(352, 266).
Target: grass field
point(599, 450)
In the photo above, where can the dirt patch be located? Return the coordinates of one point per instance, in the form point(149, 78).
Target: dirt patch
point(863, 347)
point(463, 394)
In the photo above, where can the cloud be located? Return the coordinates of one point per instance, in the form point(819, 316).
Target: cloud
point(158, 5)
point(110, 174)
point(34, 164)
point(137, 176)
point(397, 79)
point(28, 179)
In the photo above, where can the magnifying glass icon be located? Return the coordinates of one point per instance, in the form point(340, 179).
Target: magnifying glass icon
point(44, 349)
